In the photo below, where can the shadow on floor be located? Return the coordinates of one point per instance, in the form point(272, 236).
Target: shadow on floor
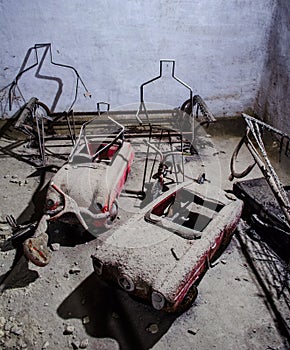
point(112, 313)
point(19, 275)
point(272, 275)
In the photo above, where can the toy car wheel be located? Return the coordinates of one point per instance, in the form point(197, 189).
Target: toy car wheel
point(113, 214)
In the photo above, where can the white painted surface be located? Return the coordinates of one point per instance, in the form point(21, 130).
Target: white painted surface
point(219, 47)
point(273, 102)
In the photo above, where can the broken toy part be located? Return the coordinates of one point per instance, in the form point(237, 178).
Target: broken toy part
point(255, 143)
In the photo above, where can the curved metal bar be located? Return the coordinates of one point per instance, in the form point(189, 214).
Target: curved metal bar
point(234, 173)
point(261, 159)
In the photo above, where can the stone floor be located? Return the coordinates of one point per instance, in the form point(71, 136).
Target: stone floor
point(64, 306)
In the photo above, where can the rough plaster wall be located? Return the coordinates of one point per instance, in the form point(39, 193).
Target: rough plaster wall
point(219, 47)
point(273, 100)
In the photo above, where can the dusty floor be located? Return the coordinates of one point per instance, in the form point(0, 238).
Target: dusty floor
point(64, 306)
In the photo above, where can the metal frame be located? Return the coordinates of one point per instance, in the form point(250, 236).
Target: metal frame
point(142, 107)
point(84, 136)
point(30, 114)
point(142, 102)
point(259, 154)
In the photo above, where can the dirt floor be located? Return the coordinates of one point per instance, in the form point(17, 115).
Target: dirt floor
point(243, 300)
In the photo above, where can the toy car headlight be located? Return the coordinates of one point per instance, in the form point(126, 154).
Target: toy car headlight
point(98, 206)
point(158, 300)
point(98, 265)
point(126, 283)
point(54, 203)
point(99, 203)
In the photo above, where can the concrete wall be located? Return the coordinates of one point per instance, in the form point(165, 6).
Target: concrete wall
point(273, 99)
point(219, 47)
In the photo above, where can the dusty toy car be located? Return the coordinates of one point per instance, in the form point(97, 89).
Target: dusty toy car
point(85, 190)
point(161, 253)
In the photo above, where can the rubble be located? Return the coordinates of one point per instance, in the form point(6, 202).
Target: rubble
point(193, 331)
point(75, 344)
point(55, 247)
point(45, 345)
point(84, 343)
point(86, 319)
point(152, 328)
point(15, 329)
point(74, 270)
point(69, 329)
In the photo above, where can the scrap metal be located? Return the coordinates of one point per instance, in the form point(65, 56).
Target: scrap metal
point(254, 142)
point(32, 122)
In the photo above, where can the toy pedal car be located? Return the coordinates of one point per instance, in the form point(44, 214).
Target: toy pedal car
point(161, 253)
point(85, 190)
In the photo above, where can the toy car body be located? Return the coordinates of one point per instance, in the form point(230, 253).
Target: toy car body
point(161, 253)
point(89, 184)
point(85, 190)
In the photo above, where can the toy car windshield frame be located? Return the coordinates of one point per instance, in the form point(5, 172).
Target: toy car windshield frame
point(82, 147)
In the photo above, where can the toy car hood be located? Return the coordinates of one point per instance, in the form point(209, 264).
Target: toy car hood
point(88, 189)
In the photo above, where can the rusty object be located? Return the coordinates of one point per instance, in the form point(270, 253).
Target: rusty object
point(36, 250)
point(264, 214)
point(254, 142)
point(198, 101)
point(35, 120)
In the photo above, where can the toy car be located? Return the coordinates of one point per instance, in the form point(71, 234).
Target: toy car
point(161, 253)
point(93, 179)
point(85, 190)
